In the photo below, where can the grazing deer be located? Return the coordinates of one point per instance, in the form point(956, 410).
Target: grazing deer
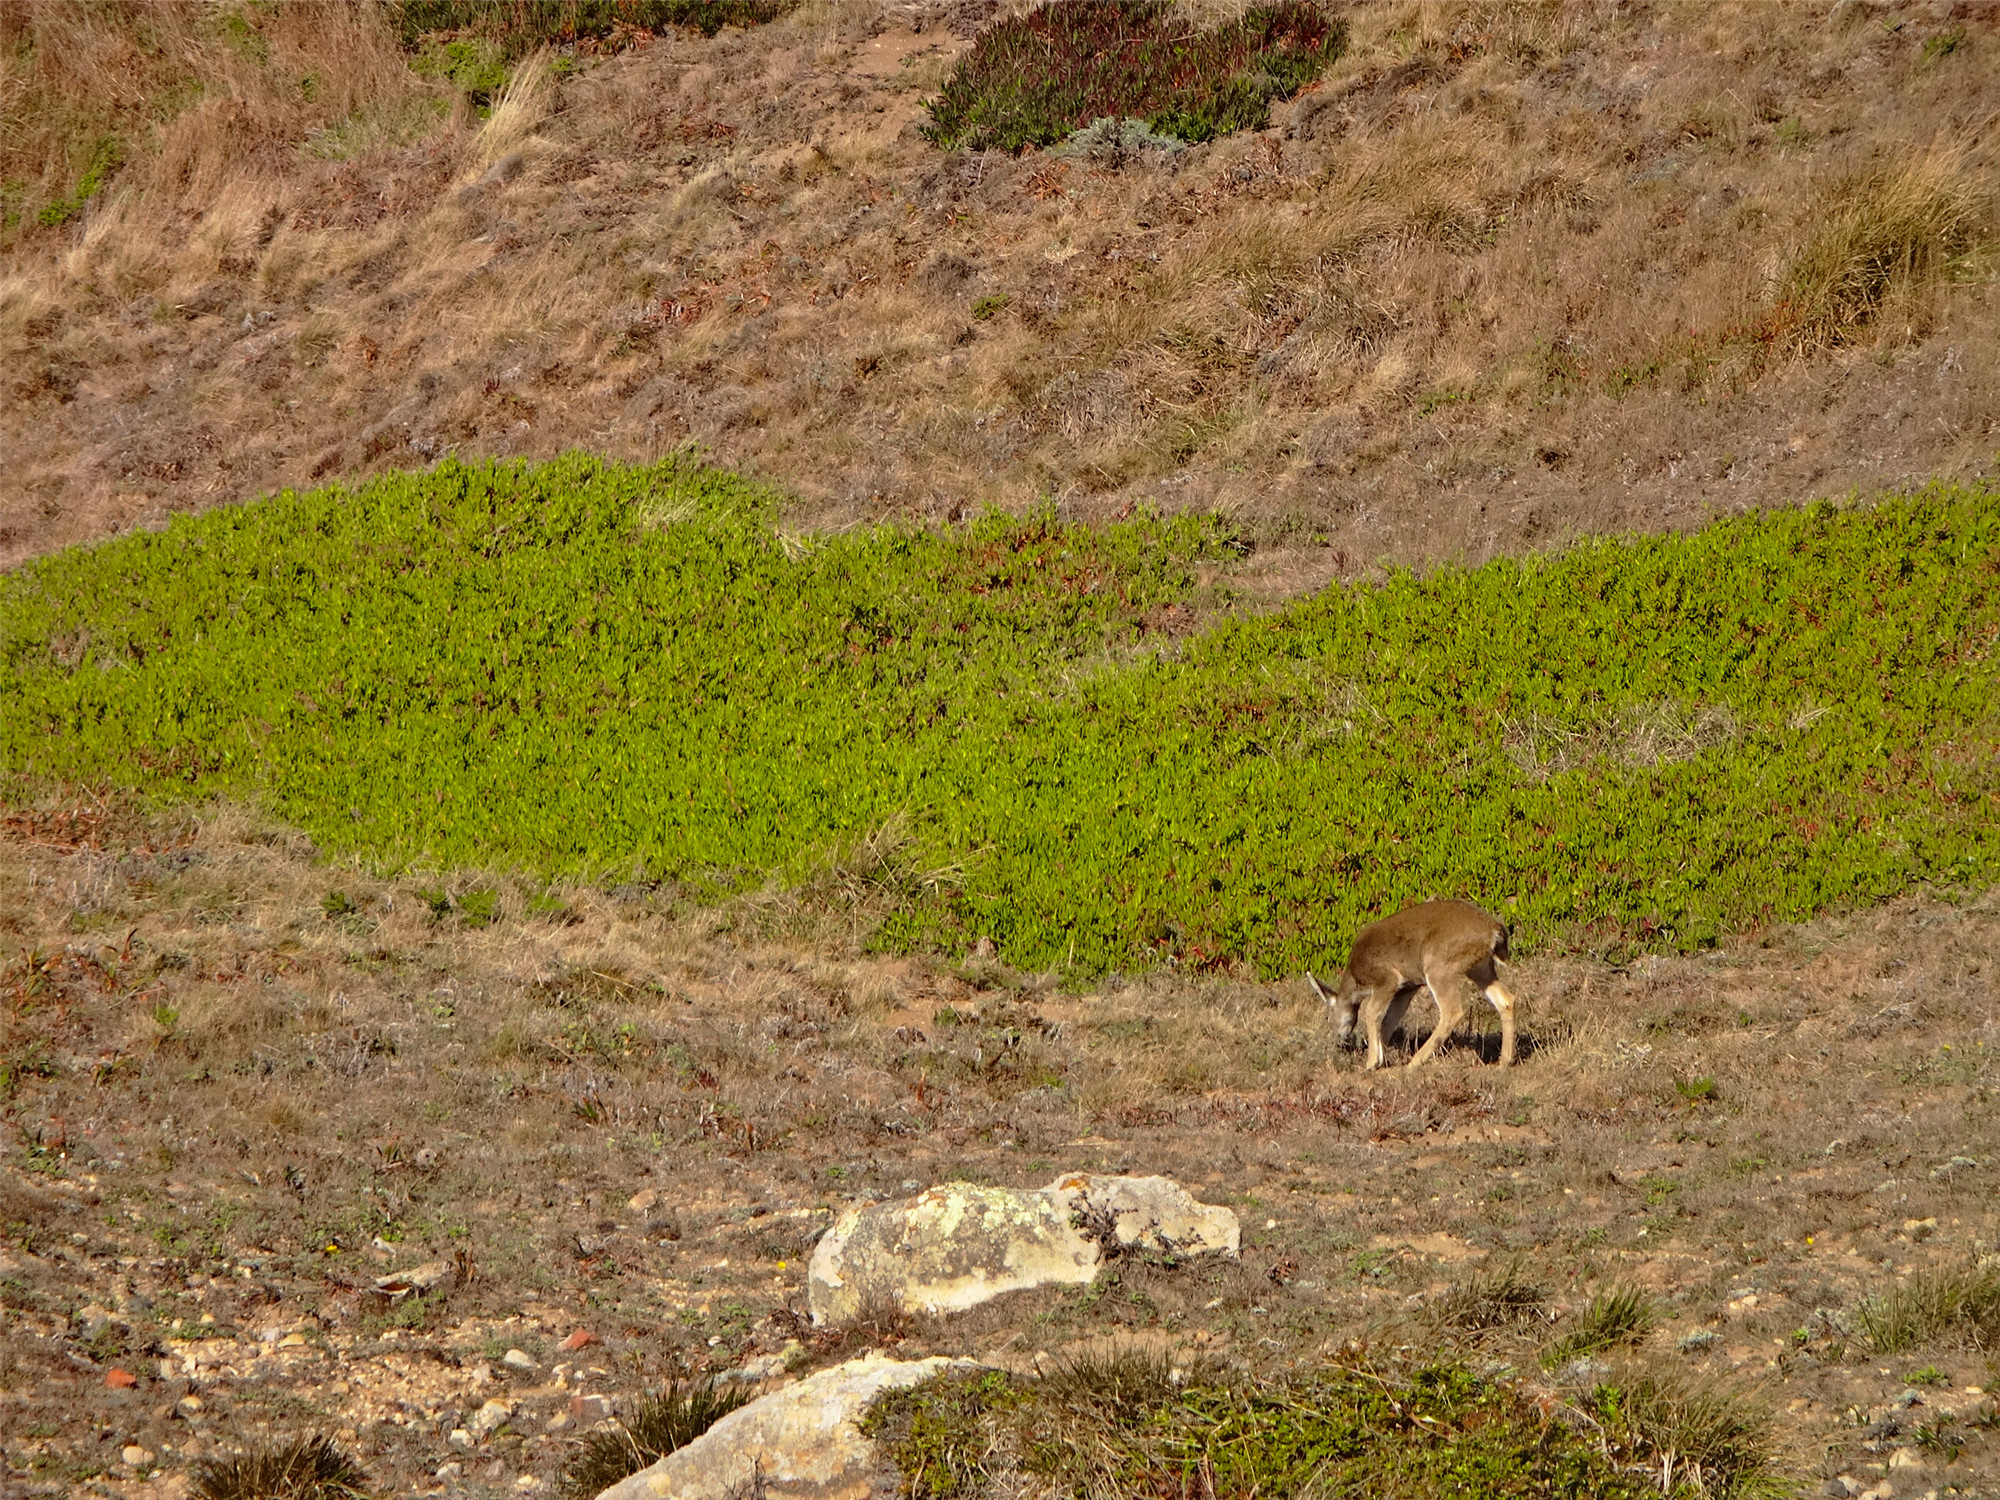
point(1447, 947)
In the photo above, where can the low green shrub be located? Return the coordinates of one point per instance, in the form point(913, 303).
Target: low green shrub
point(1036, 77)
point(577, 666)
point(1108, 1428)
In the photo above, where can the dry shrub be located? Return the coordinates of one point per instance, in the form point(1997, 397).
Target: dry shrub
point(1880, 238)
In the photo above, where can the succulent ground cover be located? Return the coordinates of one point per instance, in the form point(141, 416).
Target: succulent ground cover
point(579, 667)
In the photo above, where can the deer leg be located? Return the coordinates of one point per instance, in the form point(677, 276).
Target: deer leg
point(1372, 1007)
point(1449, 992)
point(1502, 1000)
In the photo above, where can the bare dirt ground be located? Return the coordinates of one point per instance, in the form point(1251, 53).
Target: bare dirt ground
point(1508, 274)
point(240, 1086)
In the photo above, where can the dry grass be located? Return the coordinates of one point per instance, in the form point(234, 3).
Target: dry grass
point(220, 1057)
point(1507, 274)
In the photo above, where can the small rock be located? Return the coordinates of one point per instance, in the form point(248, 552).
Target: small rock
point(517, 1359)
point(1840, 1488)
point(581, 1339)
point(192, 1405)
point(1906, 1458)
point(136, 1456)
point(643, 1201)
point(557, 1422)
point(528, 1483)
point(90, 1320)
point(589, 1408)
point(418, 1281)
point(460, 1438)
point(447, 1472)
point(1911, 1397)
point(1583, 1371)
point(490, 1417)
point(120, 1380)
point(1699, 1340)
point(763, 1367)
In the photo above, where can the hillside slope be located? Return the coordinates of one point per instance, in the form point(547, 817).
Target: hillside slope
point(1504, 275)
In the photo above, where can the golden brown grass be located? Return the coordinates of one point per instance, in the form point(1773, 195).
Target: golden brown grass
point(1508, 274)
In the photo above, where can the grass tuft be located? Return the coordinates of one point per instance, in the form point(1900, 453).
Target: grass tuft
point(1498, 1300)
point(311, 1468)
point(1882, 235)
point(1621, 1316)
point(1951, 1302)
point(1713, 1441)
point(667, 1420)
point(1034, 78)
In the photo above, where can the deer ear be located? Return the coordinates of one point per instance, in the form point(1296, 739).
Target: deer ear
point(1324, 998)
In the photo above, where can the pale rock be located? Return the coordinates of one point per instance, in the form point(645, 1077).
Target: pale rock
point(803, 1442)
point(643, 1201)
point(959, 1244)
point(460, 1438)
point(418, 1281)
point(136, 1456)
point(447, 1472)
point(518, 1359)
point(490, 1417)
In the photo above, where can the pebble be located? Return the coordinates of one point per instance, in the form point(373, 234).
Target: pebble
point(120, 1380)
point(581, 1339)
point(529, 1482)
point(192, 1405)
point(643, 1200)
point(136, 1456)
point(460, 1438)
point(448, 1472)
point(589, 1408)
point(518, 1359)
point(490, 1416)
